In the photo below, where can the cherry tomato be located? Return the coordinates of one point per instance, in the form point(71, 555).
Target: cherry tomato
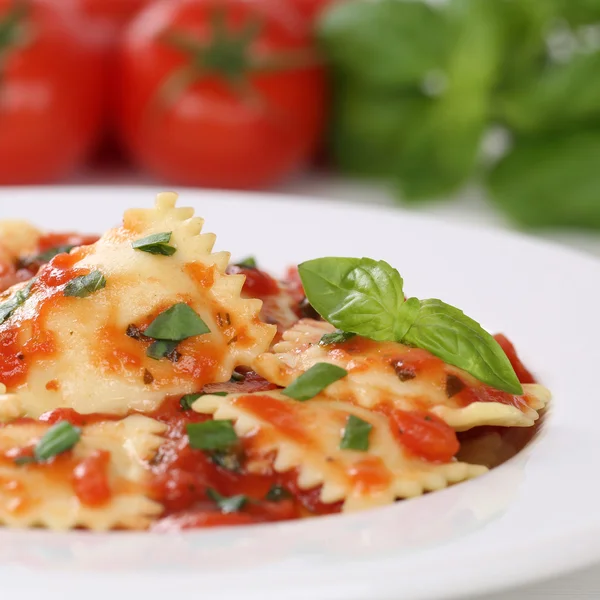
point(112, 14)
point(520, 369)
point(311, 9)
point(221, 93)
point(50, 92)
point(425, 435)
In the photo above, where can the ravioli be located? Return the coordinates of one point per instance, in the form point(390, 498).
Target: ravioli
point(89, 353)
point(409, 378)
point(44, 495)
point(306, 436)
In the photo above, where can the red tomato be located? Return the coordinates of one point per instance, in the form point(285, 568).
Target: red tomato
point(50, 101)
point(520, 369)
point(312, 9)
point(195, 109)
point(426, 435)
point(114, 14)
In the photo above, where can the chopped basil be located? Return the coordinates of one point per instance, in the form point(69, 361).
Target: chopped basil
point(44, 257)
point(356, 434)
point(314, 381)
point(248, 263)
point(235, 377)
point(230, 461)
point(161, 348)
point(8, 308)
point(227, 505)
point(58, 439)
point(86, 285)
point(189, 399)
point(176, 324)
point(336, 337)
point(277, 493)
point(157, 243)
point(212, 435)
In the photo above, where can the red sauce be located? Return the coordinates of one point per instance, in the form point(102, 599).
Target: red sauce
point(370, 475)
point(282, 416)
point(258, 283)
point(50, 241)
point(203, 276)
point(90, 479)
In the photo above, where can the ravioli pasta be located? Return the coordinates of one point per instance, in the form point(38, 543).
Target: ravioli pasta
point(151, 372)
point(93, 366)
point(375, 376)
point(306, 436)
point(43, 495)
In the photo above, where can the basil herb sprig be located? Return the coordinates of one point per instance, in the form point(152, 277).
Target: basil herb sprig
point(44, 257)
point(176, 324)
point(10, 306)
point(212, 435)
point(58, 439)
point(249, 263)
point(356, 434)
point(85, 285)
point(366, 297)
point(314, 381)
point(157, 243)
point(336, 337)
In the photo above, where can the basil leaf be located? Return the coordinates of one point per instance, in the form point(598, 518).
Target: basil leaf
point(161, 348)
point(212, 435)
point(356, 434)
point(189, 399)
point(314, 381)
point(157, 243)
point(58, 439)
point(86, 285)
point(176, 324)
point(336, 337)
point(230, 461)
point(277, 493)
point(44, 257)
point(227, 505)
point(248, 263)
point(359, 295)
point(8, 308)
point(460, 341)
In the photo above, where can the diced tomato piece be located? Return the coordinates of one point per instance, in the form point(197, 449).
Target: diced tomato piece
point(425, 435)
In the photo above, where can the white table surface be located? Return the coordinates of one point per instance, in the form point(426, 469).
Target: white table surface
point(470, 208)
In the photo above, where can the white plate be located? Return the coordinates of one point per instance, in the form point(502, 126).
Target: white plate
point(536, 516)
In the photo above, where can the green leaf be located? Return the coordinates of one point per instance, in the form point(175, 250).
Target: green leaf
point(189, 399)
point(356, 434)
point(85, 285)
point(8, 307)
point(212, 435)
point(358, 295)
point(277, 493)
point(176, 324)
point(551, 181)
point(458, 340)
point(336, 337)
point(161, 348)
point(314, 381)
point(248, 263)
point(227, 505)
point(58, 439)
point(157, 243)
point(387, 43)
point(230, 461)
